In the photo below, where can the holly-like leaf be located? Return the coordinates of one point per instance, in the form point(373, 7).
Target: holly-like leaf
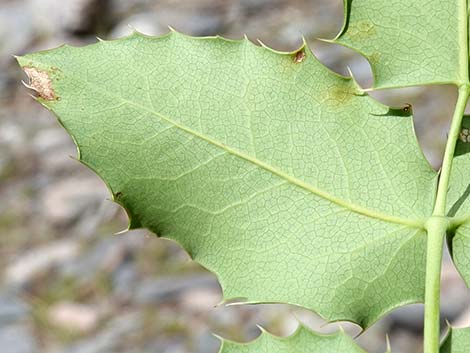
point(456, 341)
point(459, 202)
point(307, 341)
point(273, 172)
point(409, 43)
point(302, 341)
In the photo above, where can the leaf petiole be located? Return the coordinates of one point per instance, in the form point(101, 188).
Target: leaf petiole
point(437, 226)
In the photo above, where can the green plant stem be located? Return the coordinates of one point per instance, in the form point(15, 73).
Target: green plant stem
point(436, 227)
point(439, 224)
point(441, 199)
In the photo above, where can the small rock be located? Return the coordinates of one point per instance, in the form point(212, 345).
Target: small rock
point(403, 341)
point(16, 30)
point(40, 260)
point(75, 16)
point(121, 9)
point(52, 147)
point(125, 280)
point(146, 23)
point(51, 139)
point(156, 291)
point(69, 199)
point(175, 348)
point(11, 135)
point(106, 255)
point(196, 23)
point(252, 7)
point(114, 334)
point(125, 324)
point(166, 346)
point(98, 344)
point(201, 299)
point(207, 343)
point(455, 296)
point(74, 317)
point(12, 309)
point(409, 317)
point(463, 320)
point(89, 263)
point(17, 339)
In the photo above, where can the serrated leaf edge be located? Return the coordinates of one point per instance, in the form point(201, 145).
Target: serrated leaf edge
point(133, 223)
point(301, 328)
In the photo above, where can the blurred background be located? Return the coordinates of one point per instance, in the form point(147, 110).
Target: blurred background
point(68, 283)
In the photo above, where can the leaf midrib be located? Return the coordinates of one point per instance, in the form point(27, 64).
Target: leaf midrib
point(414, 223)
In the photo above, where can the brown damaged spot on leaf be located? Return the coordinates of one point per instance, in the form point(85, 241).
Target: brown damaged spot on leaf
point(362, 30)
point(40, 82)
point(341, 95)
point(375, 58)
point(299, 56)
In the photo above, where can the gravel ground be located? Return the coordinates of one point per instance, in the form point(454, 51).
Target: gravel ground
point(69, 285)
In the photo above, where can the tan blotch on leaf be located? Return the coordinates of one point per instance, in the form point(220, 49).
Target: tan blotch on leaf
point(40, 82)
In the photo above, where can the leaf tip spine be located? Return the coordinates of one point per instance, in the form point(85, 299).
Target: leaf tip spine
point(262, 329)
point(326, 40)
point(388, 345)
point(121, 232)
point(261, 43)
point(220, 338)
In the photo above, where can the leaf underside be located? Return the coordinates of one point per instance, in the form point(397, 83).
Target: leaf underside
point(273, 172)
point(306, 341)
point(456, 341)
point(283, 178)
point(458, 204)
point(302, 341)
point(408, 43)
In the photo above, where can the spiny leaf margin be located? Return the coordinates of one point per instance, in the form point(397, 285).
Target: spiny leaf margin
point(399, 40)
point(458, 203)
point(134, 223)
point(456, 341)
point(303, 340)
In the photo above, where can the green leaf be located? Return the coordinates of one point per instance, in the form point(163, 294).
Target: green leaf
point(273, 172)
point(307, 341)
point(461, 251)
point(302, 341)
point(459, 203)
point(457, 341)
point(409, 43)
